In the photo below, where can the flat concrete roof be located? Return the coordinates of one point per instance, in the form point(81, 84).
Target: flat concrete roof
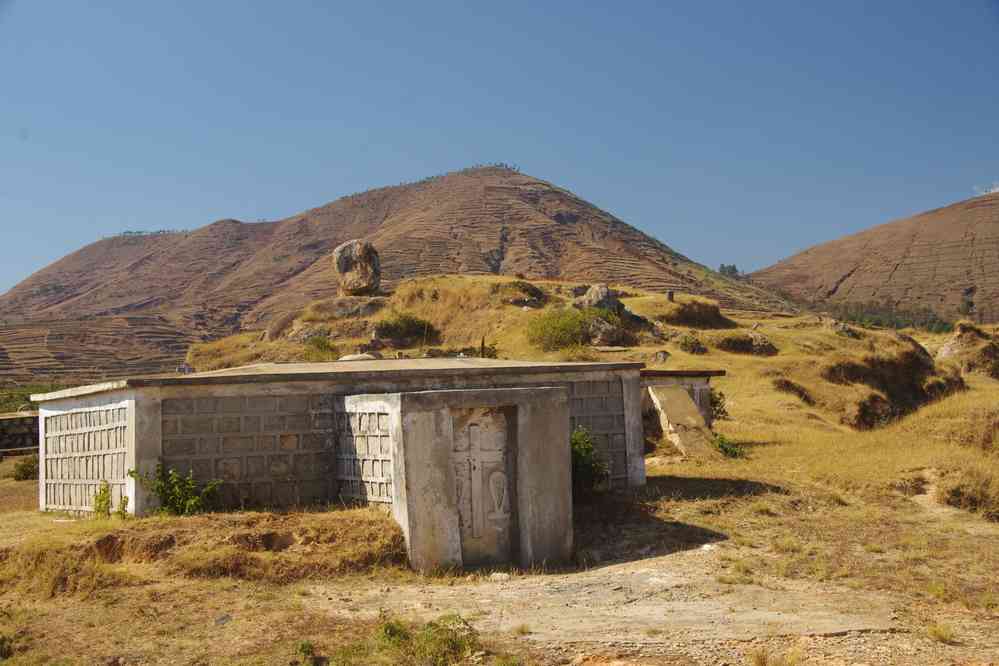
point(345, 371)
point(682, 373)
point(341, 371)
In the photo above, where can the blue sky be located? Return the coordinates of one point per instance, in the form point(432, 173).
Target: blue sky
point(735, 132)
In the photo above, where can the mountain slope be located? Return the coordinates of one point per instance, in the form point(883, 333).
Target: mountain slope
point(232, 275)
point(935, 260)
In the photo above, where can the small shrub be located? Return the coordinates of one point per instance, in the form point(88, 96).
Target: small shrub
point(972, 489)
point(178, 495)
point(589, 472)
point(567, 327)
point(102, 501)
point(728, 448)
point(697, 314)
point(691, 344)
point(26, 469)
point(6, 647)
point(321, 348)
point(306, 650)
point(942, 633)
point(719, 405)
point(122, 510)
point(746, 343)
point(447, 640)
point(404, 327)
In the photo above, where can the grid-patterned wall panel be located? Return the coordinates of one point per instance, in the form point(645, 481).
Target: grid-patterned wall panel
point(268, 450)
point(364, 456)
point(599, 407)
point(82, 449)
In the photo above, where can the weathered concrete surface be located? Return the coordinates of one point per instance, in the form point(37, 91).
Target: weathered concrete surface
point(83, 442)
point(682, 422)
point(487, 477)
point(604, 398)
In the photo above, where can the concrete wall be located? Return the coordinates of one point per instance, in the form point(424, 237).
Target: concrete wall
point(532, 499)
point(269, 451)
point(18, 431)
point(82, 443)
point(699, 389)
point(290, 443)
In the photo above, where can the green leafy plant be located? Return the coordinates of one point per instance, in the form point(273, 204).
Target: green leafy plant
point(102, 501)
point(728, 448)
point(122, 510)
point(26, 469)
point(589, 471)
point(179, 495)
point(306, 650)
point(320, 348)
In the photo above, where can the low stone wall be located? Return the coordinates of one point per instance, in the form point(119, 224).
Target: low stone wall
point(18, 430)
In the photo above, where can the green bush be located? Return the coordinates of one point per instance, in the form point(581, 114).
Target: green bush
point(691, 344)
point(406, 327)
point(728, 448)
point(589, 471)
point(179, 495)
point(567, 327)
point(320, 349)
point(102, 501)
point(26, 469)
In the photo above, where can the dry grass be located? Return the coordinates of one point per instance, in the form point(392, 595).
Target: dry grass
point(54, 556)
point(764, 657)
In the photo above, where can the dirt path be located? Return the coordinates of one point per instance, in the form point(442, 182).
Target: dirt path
point(666, 609)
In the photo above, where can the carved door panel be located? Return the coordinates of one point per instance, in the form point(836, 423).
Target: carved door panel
point(481, 459)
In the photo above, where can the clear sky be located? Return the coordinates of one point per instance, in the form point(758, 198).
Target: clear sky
point(736, 132)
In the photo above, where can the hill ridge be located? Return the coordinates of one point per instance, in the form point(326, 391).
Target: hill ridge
point(943, 260)
point(231, 275)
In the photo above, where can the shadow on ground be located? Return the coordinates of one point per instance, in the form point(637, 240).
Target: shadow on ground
point(694, 488)
point(622, 528)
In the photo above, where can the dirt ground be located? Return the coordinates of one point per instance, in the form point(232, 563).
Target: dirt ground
point(672, 610)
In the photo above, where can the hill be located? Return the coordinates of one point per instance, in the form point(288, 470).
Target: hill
point(945, 260)
point(230, 275)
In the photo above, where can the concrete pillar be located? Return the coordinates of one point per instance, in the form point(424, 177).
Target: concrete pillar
point(631, 383)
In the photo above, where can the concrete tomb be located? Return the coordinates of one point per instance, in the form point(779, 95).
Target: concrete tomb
point(470, 455)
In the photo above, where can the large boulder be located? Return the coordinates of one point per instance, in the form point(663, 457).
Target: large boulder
point(599, 296)
point(357, 267)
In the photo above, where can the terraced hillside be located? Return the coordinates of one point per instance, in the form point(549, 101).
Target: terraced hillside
point(231, 275)
point(94, 349)
point(946, 260)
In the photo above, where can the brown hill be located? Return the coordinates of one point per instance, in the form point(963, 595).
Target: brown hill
point(232, 275)
point(945, 260)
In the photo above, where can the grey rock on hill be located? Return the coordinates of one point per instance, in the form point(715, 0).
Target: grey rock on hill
point(357, 267)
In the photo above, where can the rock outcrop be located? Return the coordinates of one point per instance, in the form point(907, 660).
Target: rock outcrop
point(357, 267)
